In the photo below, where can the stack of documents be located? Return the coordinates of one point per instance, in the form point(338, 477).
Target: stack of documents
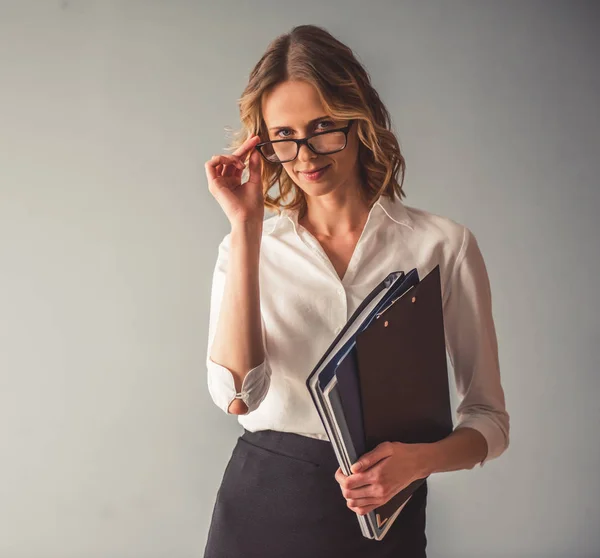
point(385, 378)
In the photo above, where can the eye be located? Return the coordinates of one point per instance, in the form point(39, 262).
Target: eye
point(326, 123)
point(329, 122)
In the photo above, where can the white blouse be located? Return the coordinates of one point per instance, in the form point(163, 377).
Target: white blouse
point(304, 304)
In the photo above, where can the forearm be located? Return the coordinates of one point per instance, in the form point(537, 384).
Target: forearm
point(462, 449)
point(238, 343)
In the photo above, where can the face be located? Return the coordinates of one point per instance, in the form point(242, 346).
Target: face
point(293, 110)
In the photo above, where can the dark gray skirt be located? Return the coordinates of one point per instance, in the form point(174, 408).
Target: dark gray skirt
point(279, 498)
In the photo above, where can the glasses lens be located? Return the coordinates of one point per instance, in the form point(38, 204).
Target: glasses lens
point(283, 151)
point(328, 142)
point(280, 151)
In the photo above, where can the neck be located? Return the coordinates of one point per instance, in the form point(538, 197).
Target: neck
point(334, 217)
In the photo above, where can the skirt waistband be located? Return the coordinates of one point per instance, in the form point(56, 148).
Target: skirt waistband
point(293, 445)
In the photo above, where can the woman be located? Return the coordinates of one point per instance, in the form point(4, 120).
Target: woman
point(283, 288)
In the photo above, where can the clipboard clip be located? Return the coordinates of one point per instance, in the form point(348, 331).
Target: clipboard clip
point(414, 299)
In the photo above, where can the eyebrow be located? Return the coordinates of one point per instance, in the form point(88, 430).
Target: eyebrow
point(314, 121)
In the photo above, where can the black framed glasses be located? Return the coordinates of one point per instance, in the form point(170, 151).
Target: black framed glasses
point(321, 143)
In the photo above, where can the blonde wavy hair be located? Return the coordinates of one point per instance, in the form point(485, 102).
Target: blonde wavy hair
point(311, 54)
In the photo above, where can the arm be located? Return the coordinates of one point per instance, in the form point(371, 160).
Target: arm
point(463, 449)
point(236, 359)
point(482, 430)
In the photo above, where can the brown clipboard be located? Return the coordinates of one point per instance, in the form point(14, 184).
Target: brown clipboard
point(403, 376)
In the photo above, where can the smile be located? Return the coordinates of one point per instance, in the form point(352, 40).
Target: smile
point(316, 174)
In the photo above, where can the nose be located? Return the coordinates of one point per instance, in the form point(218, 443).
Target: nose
point(305, 154)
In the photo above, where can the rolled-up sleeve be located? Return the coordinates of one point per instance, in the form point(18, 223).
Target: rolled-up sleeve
point(473, 349)
point(221, 385)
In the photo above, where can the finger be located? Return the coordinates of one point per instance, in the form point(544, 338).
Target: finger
point(231, 170)
point(356, 481)
point(358, 493)
point(249, 144)
point(214, 165)
point(340, 477)
point(224, 160)
point(361, 502)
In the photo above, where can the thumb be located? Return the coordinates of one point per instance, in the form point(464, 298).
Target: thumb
point(369, 459)
point(254, 167)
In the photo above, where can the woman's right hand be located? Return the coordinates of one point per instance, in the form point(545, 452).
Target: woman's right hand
point(242, 203)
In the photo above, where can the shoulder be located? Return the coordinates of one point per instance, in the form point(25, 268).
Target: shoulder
point(445, 231)
point(439, 239)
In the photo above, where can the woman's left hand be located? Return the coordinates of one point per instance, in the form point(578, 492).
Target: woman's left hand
point(380, 474)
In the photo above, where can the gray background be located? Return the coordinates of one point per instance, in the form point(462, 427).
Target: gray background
point(110, 444)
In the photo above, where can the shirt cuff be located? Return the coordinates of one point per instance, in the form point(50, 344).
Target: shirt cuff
point(497, 441)
point(221, 385)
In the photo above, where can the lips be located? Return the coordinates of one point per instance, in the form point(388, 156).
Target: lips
point(310, 171)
